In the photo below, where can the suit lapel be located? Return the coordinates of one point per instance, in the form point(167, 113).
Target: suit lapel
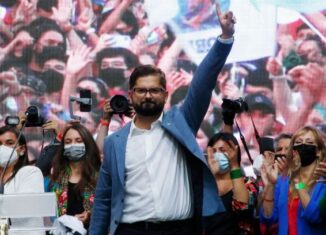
point(172, 127)
point(120, 146)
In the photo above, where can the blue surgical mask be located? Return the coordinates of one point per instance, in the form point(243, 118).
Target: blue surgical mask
point(223, 162)
point(74, 152)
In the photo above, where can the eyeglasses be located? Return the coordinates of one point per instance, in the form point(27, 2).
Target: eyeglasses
point(152, 91)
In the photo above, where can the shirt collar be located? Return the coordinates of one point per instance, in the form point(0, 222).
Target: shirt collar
point(135, 130)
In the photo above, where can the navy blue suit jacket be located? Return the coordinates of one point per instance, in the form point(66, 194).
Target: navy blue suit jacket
point(182, 123)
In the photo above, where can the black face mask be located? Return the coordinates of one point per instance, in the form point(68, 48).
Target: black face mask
point(113, 77)
point(307, 153)
point(27, 54)
point(53, 80)
point(44, 55)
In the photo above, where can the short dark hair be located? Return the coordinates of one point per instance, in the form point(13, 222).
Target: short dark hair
point(130, 58)
point(41, 25)
point(283, 136)
point(145, 70)
point(101, 85)
point(225, 137)
point(318, 41)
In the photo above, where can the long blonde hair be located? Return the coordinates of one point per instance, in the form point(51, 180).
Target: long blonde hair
point(294, 161)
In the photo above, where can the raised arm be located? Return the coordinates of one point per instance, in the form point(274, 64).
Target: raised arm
point(204, 81)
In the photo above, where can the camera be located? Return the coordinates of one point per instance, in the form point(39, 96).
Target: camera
point(237, 106)
point(34, 117)
point(119, 104)
point(12, 121)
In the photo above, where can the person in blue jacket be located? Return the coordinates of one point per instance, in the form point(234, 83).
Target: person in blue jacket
point(154, 178)
point(294, 201)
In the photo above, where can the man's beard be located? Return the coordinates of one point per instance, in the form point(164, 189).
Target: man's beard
point(149, 108)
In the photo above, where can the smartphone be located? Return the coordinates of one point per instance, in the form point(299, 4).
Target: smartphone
point(85, 106)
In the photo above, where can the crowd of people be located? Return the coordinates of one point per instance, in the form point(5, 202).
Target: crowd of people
point(211, 164)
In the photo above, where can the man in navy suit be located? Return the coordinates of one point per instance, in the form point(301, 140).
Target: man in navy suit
point(154, 178)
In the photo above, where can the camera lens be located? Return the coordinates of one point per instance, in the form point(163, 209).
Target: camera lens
point(119, 104)
point(33, 117)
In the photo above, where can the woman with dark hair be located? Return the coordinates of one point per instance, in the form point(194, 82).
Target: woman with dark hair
point(294, 201)
point(239, 194)
point(74, 172)
point(18, 178)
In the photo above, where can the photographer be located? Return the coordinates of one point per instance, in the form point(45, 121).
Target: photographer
point(238, 193)
point(262, 112)
point(105, 122)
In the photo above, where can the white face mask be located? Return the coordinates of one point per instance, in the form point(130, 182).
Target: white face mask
point(5, 153)
point(258, 162)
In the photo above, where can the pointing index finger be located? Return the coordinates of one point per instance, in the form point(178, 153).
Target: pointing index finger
point(218, 9)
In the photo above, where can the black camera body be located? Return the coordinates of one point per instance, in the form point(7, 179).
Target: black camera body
point(34, 117)
point(120, 104)
point(237, 106)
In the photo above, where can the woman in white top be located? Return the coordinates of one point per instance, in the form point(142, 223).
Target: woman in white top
point(19, 177)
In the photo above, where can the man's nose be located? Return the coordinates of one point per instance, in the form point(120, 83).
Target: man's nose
point(148, 94)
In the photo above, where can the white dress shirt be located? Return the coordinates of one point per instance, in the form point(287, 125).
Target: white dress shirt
point(157, 180)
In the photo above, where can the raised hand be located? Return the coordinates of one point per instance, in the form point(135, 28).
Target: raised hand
point(51, 125)
point(321, 170)
point(232, 154)
point(179, 79)
point(26, 11)
point(62, 14)
point(85, 20)
point(9, 79)
point(227, 21)
point(302, 75)
point(271, 172)
point(274, 67)
point(105, 41)
point(78, 60)
point(212, 163)
point(107, 110)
